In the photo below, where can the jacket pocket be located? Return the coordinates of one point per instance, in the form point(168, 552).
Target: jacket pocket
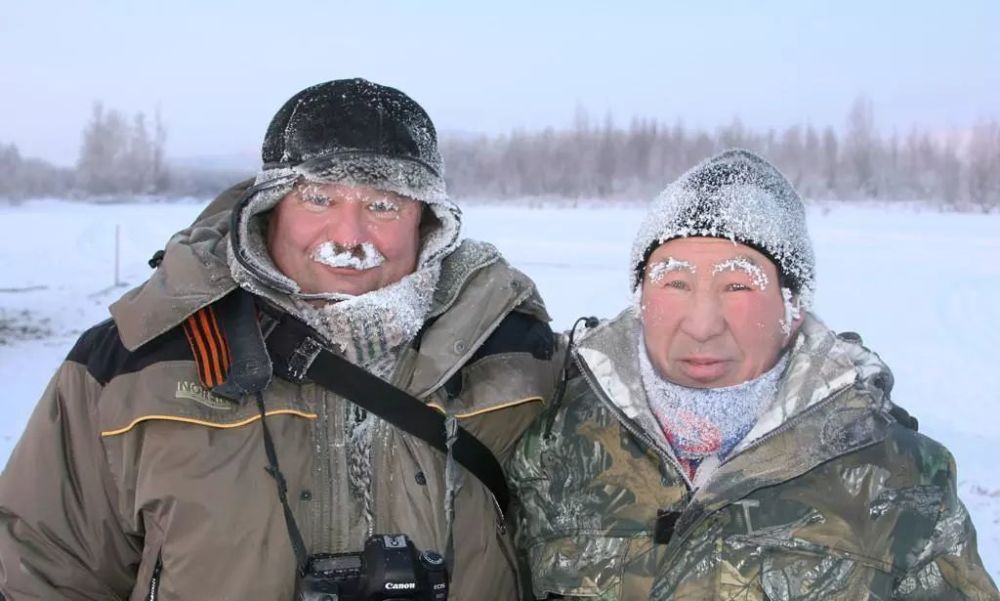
point(583, 566)
point(815, 572)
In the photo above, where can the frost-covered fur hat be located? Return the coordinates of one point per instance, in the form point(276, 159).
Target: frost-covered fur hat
point(354, 132)
point(739, 196)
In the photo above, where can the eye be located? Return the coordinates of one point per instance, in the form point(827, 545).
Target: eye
point(384, 206)
point(676, 285)
point(737, 287)
point(314, 198)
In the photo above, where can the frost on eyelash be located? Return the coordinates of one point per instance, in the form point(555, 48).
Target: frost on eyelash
point(312, 192)
point(335, 255)
point(386, 205)
point(793, 310)
point(662, 268)
point(743, 264)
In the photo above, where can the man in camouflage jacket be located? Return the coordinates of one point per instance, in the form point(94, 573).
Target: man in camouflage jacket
point(717, 441)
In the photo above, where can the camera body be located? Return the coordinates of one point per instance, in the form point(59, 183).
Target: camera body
point(390, 568)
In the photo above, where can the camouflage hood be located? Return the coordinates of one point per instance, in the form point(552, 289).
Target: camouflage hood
point(820, 364)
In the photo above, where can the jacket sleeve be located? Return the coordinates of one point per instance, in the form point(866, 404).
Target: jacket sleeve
point(60, 534)
point(949, 567)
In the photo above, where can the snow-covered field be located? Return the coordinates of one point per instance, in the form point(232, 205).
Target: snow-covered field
point(922, 288)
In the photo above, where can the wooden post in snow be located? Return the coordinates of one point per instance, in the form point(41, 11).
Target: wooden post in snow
point(118, 229)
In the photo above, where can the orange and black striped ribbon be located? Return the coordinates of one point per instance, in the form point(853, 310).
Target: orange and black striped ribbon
point(209, 346)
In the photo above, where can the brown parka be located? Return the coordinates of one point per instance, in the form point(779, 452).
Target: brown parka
point(133, 481)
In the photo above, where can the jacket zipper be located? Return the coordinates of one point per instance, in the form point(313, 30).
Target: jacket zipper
point(677, 541)
point(627, 423)
point(154, 582)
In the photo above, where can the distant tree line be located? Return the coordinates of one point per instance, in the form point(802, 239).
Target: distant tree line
point(607, 161)
point(122, 157)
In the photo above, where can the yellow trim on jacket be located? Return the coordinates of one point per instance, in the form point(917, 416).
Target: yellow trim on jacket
point(199, 422)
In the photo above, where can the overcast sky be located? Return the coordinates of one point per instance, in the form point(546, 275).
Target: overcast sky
point(219, 70)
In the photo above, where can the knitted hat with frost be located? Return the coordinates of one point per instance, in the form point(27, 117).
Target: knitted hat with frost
point(739, 196)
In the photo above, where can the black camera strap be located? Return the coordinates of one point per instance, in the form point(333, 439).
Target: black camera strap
point(297, 356)
point(294, 535)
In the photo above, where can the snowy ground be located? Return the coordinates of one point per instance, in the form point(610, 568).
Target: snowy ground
point(922, 288)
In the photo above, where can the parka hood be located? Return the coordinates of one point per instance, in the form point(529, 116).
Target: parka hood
point(249, 259)
point(821, 366)
point(195, 273)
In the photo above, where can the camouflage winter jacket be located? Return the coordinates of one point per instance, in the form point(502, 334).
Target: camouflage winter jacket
point(828, 497)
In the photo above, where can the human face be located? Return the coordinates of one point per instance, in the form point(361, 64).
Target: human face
point(712, 312)
point(344, 239)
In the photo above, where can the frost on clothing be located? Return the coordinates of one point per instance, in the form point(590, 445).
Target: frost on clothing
point(360, 133)
point(793, 310)
point(702, 422)
point(738, 196)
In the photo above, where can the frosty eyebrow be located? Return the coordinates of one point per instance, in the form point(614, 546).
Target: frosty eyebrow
point(747, 265)
point(659, 270)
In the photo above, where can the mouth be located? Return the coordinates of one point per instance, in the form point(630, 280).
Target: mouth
point(348, 271)
point(704, 369)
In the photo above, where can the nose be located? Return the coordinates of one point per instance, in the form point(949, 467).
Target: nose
point(345, 224)
point(703, 318)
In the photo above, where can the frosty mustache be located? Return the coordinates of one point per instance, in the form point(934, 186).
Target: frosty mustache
point(358, 256)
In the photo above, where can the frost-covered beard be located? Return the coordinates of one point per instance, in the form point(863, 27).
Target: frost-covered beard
point(700, 422)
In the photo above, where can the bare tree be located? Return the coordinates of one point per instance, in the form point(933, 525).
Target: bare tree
point(861, 147)
point(118, 157)
point(984, 166)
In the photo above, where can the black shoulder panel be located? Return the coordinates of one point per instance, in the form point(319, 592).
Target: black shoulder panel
point(519, 333)
point(101, 350)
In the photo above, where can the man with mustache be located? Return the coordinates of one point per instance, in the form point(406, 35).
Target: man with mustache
point(189, 448)
point(717, 441)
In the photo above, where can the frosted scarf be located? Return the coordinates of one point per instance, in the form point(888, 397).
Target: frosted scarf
point(701, 422)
